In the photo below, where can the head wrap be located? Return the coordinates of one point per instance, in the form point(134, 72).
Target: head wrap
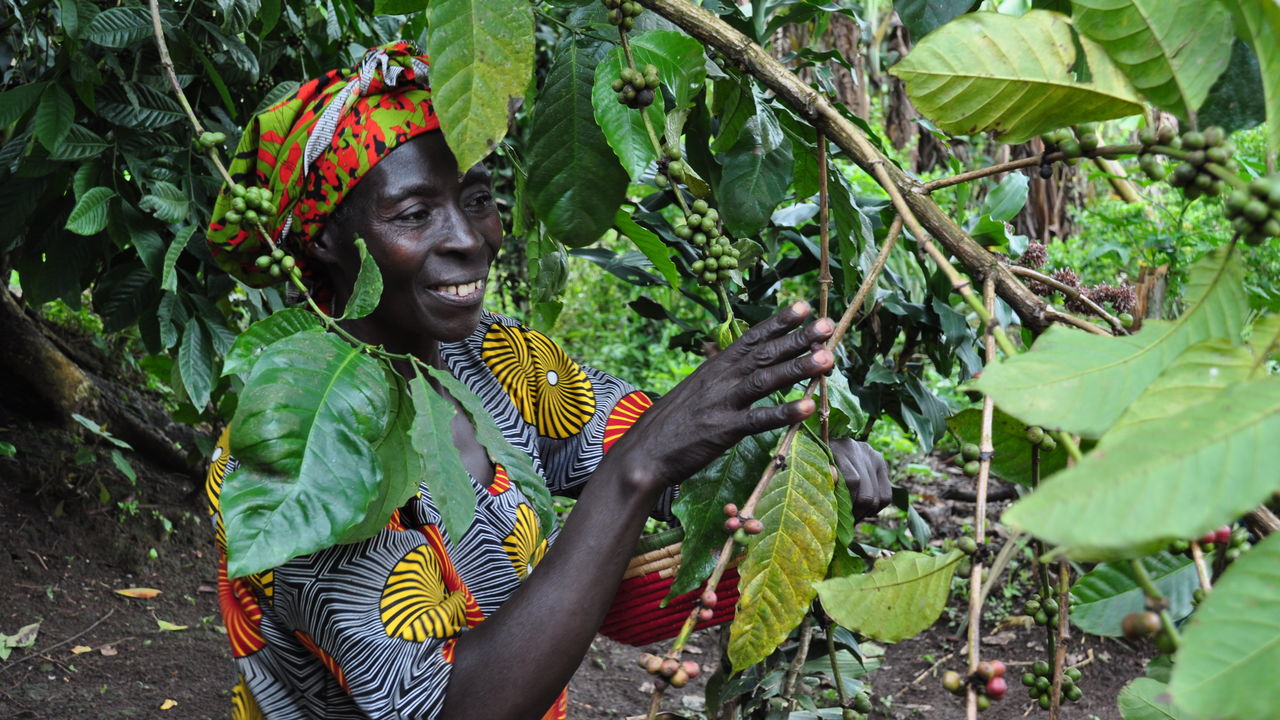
point(311, 148)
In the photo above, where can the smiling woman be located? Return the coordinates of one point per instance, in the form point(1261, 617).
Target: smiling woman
point(416, 622)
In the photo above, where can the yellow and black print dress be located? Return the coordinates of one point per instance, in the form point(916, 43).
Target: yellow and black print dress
point(367, 630)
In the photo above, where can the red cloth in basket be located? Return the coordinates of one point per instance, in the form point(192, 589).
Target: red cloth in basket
point(636, 617)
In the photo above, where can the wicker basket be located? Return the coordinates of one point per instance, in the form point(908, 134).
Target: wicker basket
point(637, 617)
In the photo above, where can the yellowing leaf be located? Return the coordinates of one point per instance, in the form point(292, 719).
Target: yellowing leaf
point(81, 649)
point(901, 596)
point(166, 625)
point(168, 704)
point(140, 593)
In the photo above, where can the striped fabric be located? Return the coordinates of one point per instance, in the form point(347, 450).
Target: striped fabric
point(367, 630)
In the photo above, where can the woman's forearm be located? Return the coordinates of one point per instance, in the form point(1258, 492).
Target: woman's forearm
point(514, 664)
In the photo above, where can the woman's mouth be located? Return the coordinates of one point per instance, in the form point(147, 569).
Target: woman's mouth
point(464, 292)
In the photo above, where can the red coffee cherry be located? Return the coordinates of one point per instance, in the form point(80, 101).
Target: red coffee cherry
point(732, 524)
point(753, 526)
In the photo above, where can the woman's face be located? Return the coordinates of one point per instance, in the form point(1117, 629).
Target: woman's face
point(433, 232)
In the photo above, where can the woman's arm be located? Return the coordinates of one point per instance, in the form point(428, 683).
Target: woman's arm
point(514, 664)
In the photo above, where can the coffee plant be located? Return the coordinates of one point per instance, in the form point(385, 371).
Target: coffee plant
point(695, 134)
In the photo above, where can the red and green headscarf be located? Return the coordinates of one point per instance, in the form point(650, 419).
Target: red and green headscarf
point(311, 148)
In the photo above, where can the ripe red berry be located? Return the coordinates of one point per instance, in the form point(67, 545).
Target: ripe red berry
point(1208, 537)
point(706, 613)
point(731, 510)
point(691, 668)
point(732, 524)
point(708, 598)
point(996, 688)
point(997, 668)
point(753, 526)
point(1222, 535)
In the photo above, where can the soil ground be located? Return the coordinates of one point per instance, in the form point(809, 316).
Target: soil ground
point(72, 535)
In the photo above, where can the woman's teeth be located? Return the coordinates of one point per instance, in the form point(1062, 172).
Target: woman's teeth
point(461, 290)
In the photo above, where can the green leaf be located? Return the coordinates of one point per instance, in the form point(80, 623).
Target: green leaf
point(168, 270)
point(167, 202)
point(517, 464)
point(398, 7)
point(304, 433)
point(449, 482)
point(700, 506)
point(54, 116)
point(575, 182)
point(1007, 199)
point(257, 337)
point(1108, 592)
point(1225, 667)
point(120, 27)
point(1012, 461)
point(968, 74)
point(798, 510)
point(924, 16)
point(1138, 498)
point(195, 364)
point(100, 431)
point(680, 60)
point(622, 126)
point(14, 103)
point(367, 292)
point(124, 466)
point(1261, 21)
point(755, 178)
point(275, 95)
point(154, 109)
point(1236, 101)
point(7, 449)
point(658, 252)
point(1148, 699)
point(482, 56)
point(1171, 50)
point(78, 144)
point(1198, 375)
point(1081, 382)
point(901, 596)
point(737, 103)
point(89, 216)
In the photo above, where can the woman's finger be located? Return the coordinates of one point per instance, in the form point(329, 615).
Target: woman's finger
point(777, 377)
point(806, 339)
point(760, 419)
point(781, 323)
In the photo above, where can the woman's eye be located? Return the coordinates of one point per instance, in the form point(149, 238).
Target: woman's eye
point(416, 214)
point(481, 201)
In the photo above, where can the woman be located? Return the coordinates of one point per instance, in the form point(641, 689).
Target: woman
point(406, 624)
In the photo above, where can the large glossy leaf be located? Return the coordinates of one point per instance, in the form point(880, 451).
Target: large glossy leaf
point(517, 464)
point(1236, 101)
point(154, 109)
point(1199, 374)
point(120, 27)
point(1081, 382)
point(1177, 477)
point(1108, 592)
point(54, 116)
point(260, 335)
point(755, 177)
point(447, 479)
point(1148, 699)
point(901, 596)
point(1171, 50)
point(14, 103)
point(481, 57)
point(989, 71)
point(367, 291)
point(658, 252)
point(1012, 461)
point(169, 266)
point(575, 182)
point(1226, 666)
point(167, 202)
point(680, 61)
point(777, 577)
point(89, 216)
point(924, 16)
point(1261, 20)
point(622, 126)
point(304, 432)
point(78, 144)
point(700, 507)
point(195, 363)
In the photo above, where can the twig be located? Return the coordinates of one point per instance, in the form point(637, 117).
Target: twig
point(835, 665)
point(1155, 599)
point(1202, 572)
point(1031, 161)
point(824, 276)
point(997, 568)
point(987, 450)
point(797, 662)
point(1071, 292)
point(1064, 634)
point(1069, 319)
point(98, 622)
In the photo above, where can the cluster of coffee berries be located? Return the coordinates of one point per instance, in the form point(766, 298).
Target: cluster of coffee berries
point(1148, 160)
point(278, 264)
point(1232, 542)
point(1255, 212)
point(1192, 175)
point(249, 205)
point(701, 227)
point(635, 89)
point(1043, 609)
point(1039, 683)
point(623, 13)
point(1041, 439)
point(1071, 144)
point(210, 140)
point(740, 525)
point(988, 680)
point(971, 456)
point(670, 670)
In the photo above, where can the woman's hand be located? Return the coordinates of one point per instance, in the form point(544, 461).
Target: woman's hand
point(865, 473)
point(714, 408)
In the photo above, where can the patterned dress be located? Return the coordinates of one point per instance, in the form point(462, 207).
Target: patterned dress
point(367, 630)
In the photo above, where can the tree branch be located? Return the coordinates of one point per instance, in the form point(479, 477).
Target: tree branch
point(1071, 292)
